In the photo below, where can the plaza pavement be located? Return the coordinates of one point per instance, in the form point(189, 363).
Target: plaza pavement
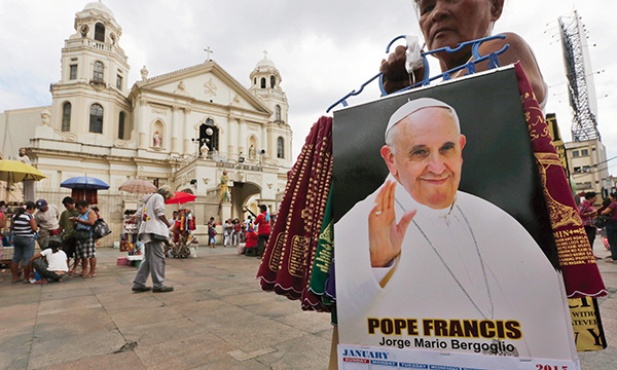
point(217, 318)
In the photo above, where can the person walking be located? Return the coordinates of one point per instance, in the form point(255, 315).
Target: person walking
point(24, 229)
point(154, 233)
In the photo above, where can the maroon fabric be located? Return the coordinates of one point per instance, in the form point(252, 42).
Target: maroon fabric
point(580, 271)
point(317, 197)
point(289, 251)
point(89, 195)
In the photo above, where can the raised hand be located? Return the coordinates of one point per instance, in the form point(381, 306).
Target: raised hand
point(385, 235)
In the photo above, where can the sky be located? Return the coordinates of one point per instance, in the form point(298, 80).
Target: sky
point(322, 48)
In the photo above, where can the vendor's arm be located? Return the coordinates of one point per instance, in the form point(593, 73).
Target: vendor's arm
point(519, 51)
point(395, 76)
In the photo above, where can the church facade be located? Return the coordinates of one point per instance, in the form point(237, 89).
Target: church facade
point(192, 128)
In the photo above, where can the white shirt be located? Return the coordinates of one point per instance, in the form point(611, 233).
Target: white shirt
point(55, 261)
point(48, 220)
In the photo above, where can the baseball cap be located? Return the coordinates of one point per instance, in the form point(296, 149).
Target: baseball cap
point(41, 203)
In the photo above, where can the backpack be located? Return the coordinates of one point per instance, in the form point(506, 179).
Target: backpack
point(100, 229)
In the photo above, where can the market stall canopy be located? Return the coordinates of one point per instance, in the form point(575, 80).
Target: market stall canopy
point(137, 186)
point(84, 182)
point(16, 171)
point(181, 197)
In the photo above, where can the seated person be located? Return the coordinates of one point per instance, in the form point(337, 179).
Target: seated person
point(251, 242)
point(50, 263)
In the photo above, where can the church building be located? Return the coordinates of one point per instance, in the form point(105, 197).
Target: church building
point(197, 129)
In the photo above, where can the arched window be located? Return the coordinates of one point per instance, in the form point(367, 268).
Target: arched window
point(277, 113)
point(99, 32)
point(254, 80)
point(96, 118)
point(97, 76)
point(263, 83)
point(280, 148)
point(66, 117)
point(272, 81)
point(121, 126)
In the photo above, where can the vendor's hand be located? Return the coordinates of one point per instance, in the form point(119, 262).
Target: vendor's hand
point(385, 235)
point(395, 76)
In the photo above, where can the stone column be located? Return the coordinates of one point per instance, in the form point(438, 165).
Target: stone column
point(176, 129)
point(142, 129)
point(188, 133)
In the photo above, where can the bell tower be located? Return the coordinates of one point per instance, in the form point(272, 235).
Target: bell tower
point(90, 102)
point(266, 85)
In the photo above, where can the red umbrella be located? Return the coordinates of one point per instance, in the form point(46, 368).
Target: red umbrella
point(181, 197)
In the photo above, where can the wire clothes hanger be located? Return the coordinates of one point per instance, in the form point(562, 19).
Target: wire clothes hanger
point(493, 62)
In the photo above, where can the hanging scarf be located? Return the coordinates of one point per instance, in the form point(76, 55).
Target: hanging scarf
point(580, 271)
point(287, 261)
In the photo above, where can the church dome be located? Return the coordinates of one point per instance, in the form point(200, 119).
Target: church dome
point(98, 5)
point(265, 65)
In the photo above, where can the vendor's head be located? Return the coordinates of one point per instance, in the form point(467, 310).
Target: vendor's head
point(165, 191)
point(423, 151)
point(450, 22)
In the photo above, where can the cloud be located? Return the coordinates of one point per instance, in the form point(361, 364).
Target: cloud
point(323, 49)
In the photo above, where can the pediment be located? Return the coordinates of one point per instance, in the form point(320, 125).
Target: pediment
point(207, 83)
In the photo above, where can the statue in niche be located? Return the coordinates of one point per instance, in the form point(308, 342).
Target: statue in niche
point(252, 152)
point(204, 149)
point(156, 140)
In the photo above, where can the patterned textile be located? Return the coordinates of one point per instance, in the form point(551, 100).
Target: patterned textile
point(580, 271)
point(289, 256)
point(584, 208)
point(85, 248)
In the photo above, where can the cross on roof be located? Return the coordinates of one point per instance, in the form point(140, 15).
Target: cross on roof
point(209, 51)
point(265, 54)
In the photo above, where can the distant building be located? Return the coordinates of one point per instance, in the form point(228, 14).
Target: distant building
point(182, 128)
point(588, 166)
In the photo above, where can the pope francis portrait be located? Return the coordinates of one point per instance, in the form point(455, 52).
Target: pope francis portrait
point(420, 264)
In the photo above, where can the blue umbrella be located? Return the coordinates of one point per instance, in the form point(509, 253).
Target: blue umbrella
point(84, 182)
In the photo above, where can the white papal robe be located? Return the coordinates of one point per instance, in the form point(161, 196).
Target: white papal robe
point(472, 261)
